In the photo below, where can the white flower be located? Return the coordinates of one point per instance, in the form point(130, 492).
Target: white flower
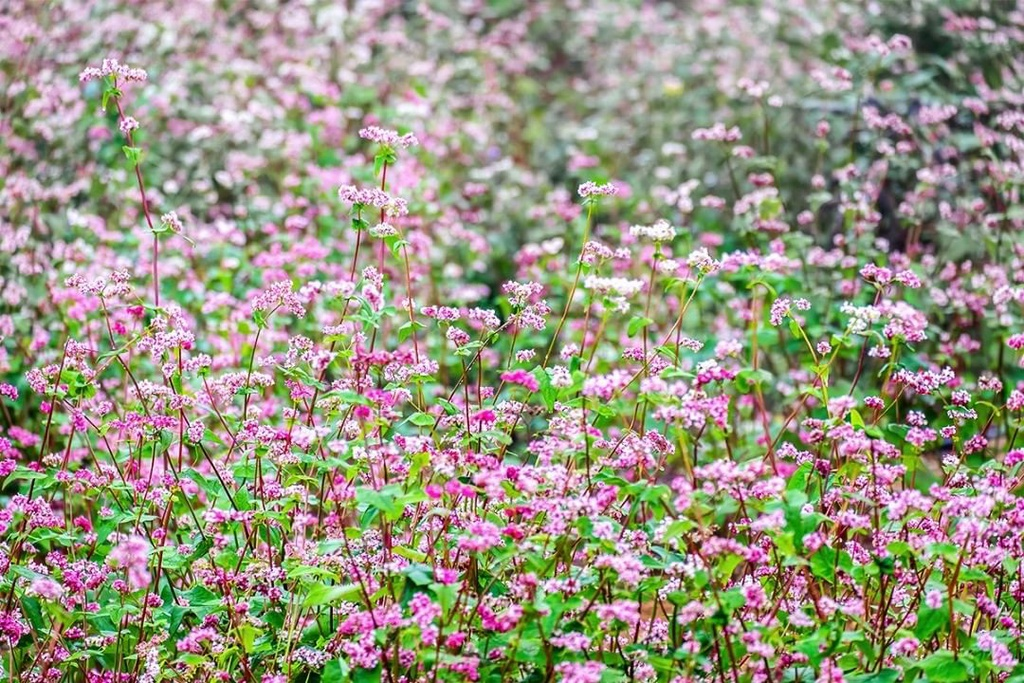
point(661, 231)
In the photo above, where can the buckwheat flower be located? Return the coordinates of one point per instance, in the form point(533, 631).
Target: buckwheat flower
point(383, 230)
point(572, 641)
point(900, 43)
point(834, 80)
point(908, 278)
point(171, 221)
point(195, 431)
point(568, 351)
point(128, 124)
point(393, 207)
point(111, 67)
point(387, 137)
point(668, 266)
point(906, 647)
point(580, 672)
point(934, 599)
point(311, 657)
point(279, 295)
point(356, 195)
point(482, 536)
point(713, 202)
point(874, 402)
point(1015, 402)
point(47, 588)
point(1001, 655)
point(990, 383)
point(521, 294)
point(783, 307)
point(829, 672)
point(152, 669)
point(718, 133)
point(522, 378)
point(560, 377)
point(591, 189)
point(457, 336)
point(700, 260)
point(132, 554)
point(617, 286)
point(1016, 342)
point(661, 231)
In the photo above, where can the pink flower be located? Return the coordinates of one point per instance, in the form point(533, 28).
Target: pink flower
point(522, 378)
point(111, 67)
point(783, 307)
point(132, 554)
point(591, 189)
point(482, 536)
point(580, 672)
point(47, 588)
point(387, 137)
point(718, 133)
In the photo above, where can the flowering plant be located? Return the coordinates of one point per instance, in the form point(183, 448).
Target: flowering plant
point(288, 395)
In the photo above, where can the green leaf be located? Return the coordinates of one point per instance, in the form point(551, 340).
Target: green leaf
point(336, 671)
point(406, 330)
point(248, 632)
point(548, 393)
point(409, 553)
point(750, 378)
point(34, 611)
point(422, 419)
point(798, 480)
point(944, 667)
point(883, 676)
point(929, 622)
point(367, 675)
point(201, 550)
point(636, 324)
point(322, 594)
point(823, 564)
point(134, 154)
point(384, 501)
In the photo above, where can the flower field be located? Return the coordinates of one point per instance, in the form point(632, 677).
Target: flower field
point(512, 340)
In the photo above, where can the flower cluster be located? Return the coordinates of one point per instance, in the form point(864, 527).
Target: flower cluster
point(473, 423)
point(111, 68)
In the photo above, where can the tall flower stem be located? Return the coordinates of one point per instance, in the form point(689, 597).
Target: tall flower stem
point(572, 290)
point(145, 204)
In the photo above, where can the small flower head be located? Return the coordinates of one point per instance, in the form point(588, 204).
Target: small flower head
point(661, 231)
point(121, 73)
point(388, 138)
point(594, 190)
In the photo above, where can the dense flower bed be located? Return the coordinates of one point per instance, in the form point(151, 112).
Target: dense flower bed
point(534, 341)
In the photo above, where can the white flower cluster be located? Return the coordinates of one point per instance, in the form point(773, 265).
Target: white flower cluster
point(701, 261)
point(661, 231)
point(861, 317)
point(382, 230)
point(615, 286)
